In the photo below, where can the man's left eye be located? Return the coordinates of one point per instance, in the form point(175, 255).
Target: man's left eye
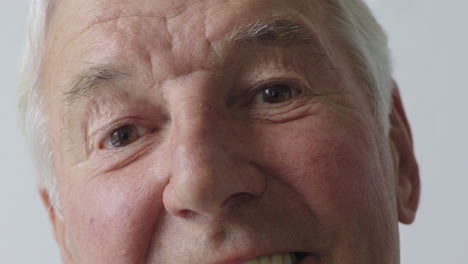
point(275, 94)
point(125, 135)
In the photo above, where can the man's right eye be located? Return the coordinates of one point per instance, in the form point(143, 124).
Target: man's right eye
point(124, 136)
point(275, 94)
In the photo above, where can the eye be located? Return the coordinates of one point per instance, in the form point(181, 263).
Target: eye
point(124, 136)
point(275, 94)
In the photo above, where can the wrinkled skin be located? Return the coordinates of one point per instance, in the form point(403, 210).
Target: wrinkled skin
point(213, 173)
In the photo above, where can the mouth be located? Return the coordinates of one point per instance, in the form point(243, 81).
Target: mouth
point(288, 258)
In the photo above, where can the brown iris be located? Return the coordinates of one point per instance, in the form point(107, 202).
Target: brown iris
point(276, 94)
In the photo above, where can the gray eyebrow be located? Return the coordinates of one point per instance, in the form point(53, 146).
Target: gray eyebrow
point(85, 82)
point(273, 32)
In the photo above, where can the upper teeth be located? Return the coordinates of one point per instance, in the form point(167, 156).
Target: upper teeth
point(274, 259)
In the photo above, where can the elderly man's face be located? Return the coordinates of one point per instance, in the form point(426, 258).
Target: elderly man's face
point(218, 132)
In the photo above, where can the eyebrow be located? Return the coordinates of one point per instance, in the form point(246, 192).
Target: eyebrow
point(274, 32)
point(87, 81)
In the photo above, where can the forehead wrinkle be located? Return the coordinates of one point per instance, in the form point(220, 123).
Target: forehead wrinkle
point(109, 20)
point(105, 14)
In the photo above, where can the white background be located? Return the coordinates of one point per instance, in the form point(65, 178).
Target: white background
point(429, 40)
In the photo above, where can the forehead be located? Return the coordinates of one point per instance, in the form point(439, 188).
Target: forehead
point(75, 17)
point(89, 31)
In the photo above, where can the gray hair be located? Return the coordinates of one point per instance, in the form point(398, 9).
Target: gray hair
point(31, 105)
point(363, 38)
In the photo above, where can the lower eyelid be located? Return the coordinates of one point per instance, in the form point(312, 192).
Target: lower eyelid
point(114, 159)
point(291, 110)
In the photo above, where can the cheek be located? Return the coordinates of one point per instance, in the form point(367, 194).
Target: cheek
point(114, 213)
point(334, 168)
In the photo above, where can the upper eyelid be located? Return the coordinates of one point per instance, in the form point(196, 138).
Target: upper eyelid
point(294, 85)
point(286, 83)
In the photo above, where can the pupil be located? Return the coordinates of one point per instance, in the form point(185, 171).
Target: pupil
point(277, 94)
point(125, 136)
point(122, 136)
point(273, 93)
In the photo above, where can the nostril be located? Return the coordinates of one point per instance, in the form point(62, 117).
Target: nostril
point(185, 213)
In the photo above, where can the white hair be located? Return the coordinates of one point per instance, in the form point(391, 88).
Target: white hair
point(367, 46)
point(31, 105)
point(365, 41)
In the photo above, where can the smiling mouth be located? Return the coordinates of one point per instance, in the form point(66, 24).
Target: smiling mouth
point(289, 258)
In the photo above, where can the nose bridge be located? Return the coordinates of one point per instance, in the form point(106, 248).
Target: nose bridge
point(198, 157)
point(197, 131)
point(195, 105)
point(195, 143)
point(206, 167)
point(196, 118)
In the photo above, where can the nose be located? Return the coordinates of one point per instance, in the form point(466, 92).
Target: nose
point(210, 163)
